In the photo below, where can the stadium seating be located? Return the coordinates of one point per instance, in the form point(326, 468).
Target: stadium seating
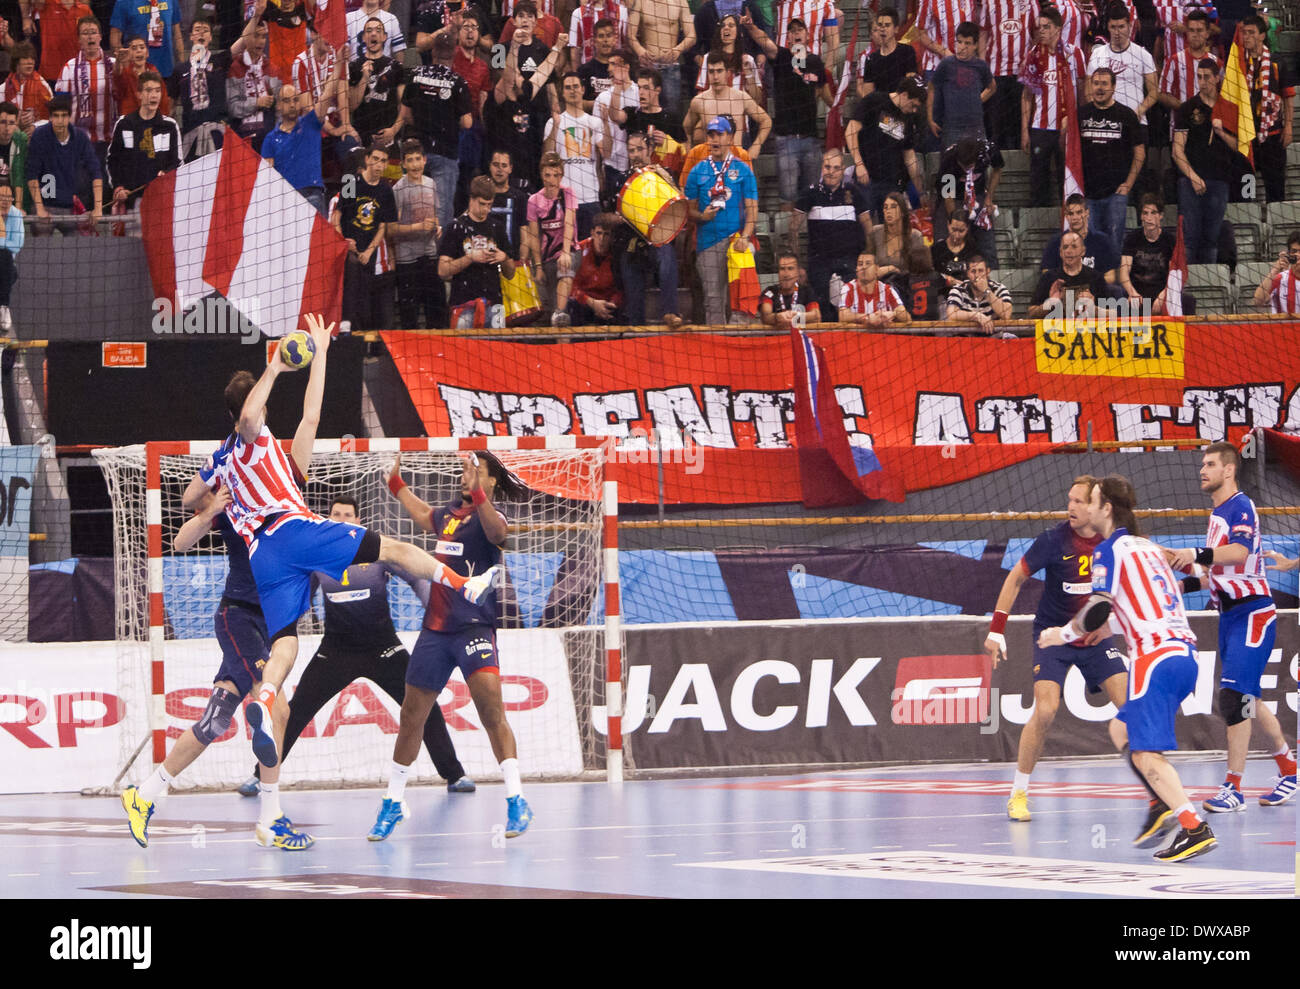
point(1212, 286)
point(1249, 275)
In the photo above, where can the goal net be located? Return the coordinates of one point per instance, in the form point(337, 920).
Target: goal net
point(554, 654)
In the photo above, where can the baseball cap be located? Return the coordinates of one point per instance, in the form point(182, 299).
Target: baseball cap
point(721, 124)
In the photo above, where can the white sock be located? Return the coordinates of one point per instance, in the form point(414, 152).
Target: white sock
point(1284, 750)
point(1021, 782)
point(397, 780)
point(270, 810)
point(156, 785)
point(510, 770)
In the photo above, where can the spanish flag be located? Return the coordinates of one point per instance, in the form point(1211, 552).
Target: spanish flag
point(1236, 92)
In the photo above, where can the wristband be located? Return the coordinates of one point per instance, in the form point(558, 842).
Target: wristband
point(999, 623)
point(478, 497)
point(395, 484)
point(1001, 640)
point(1068, 634)
point(1205, 556)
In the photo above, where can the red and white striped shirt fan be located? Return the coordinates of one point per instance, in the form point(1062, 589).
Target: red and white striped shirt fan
point(881, 299)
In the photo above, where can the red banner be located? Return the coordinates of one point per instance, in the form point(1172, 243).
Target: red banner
point(935, 410)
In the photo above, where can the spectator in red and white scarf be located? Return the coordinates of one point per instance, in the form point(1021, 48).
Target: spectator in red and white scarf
point(1271, 95)
point(26, 88)
point(1050, 66)
point(582, 27)
point(1280, 286)
point(251, 89)
point(87, 79)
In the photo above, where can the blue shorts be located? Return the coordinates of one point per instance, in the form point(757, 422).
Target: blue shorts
point(1097, 663)
point(245, 645)
point(437, 654)
point(1246, 635)
point(283, 561)
point(1150, 718)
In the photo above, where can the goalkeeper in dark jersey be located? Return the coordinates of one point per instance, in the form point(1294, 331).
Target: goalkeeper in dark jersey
point(360, 641)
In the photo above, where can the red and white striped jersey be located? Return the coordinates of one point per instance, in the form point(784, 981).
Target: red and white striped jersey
point(1284, 297)
point(1178, 75)
point(1174, 12)
point(1011, 25)
point(1041, 74)
point(939, 19)
point(262, 482)
point(1071, 21)
point(880, 299)
point(89, 82)
point(817, 15)
point(310, 75)
point(1147, 602)
point(582, 27)
point(1236, 521)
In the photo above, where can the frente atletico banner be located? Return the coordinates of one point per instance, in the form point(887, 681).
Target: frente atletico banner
point(935, 410)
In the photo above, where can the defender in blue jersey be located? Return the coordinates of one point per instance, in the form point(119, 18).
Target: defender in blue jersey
point(1234, 569)
point(1064, 553)
point(458, 633)
point(360, 641)
point(245, 649)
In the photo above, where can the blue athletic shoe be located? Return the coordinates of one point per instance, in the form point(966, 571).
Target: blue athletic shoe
point(259, 719)
point(1284, 788)
point(519, 817)
point(1226, 801)
point(282, 834)
point(251, 787)
point(391, 813)
point(462, 785)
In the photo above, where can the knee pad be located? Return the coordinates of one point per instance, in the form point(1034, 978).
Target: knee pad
point(216, 716)
point(368, 551)
point(1234, 706)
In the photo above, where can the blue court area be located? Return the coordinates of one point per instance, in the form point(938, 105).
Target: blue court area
point(887, 832)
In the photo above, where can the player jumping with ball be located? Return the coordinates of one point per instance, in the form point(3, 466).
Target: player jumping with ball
point(470, 533)
point(1064, 552)
point(1132, 582)
point(286, 540)
point(1247, 626)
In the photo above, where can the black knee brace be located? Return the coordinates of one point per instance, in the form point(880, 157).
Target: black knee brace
point(217, 716)
point(1234, 706)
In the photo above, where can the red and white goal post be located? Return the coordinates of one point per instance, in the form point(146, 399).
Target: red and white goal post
point(560, 608)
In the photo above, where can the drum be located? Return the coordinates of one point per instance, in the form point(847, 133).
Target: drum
point(653, 206)
point(519, 294)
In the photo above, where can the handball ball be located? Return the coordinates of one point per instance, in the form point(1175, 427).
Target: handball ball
point(297, 349)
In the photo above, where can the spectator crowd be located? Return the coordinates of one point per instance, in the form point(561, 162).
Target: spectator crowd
point(554, 160)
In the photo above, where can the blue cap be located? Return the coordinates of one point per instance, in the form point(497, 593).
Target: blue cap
point(721, 124)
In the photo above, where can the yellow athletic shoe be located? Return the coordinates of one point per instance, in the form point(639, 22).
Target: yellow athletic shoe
point(138, 811)
point(1018, 806)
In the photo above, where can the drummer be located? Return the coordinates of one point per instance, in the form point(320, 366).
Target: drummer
point(639, 259)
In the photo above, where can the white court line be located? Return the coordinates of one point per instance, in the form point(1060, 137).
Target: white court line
point(489, 862)
point(660, 855)
point(727, 852)
point(988, 843)
point(603, 858)
point(427, 865)
point(881, 848)
point(24, 875)
point(948, 845)
point(1063, 841)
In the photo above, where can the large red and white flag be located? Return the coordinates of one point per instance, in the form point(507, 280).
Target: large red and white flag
point(229, 223)
point(1177, 276)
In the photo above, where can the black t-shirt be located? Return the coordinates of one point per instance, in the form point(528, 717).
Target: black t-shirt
point(834, 230)
point(796, 93)
point(511, 208)
point(800, 300)
point(477, 281)
point(512, 126)
point(950, 264)
point(886, 71)
point(531, 56)
point(660, 120)
point(1150, 270)
point(1087, 278)
point(1107, 139)
point(1208, 155)
point(361, 214)
point(923, 295)
point(378, 108)
point(438, 98)
point(595, 78)
point(886, 133)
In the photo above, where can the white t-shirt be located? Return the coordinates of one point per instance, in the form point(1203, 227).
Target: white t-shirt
point(1129, 67)
point(578, 144)
point(631, 100)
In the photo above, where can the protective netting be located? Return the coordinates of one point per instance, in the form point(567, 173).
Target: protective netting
point(550, 644)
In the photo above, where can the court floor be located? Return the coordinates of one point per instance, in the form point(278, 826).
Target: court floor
point(910, 832)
